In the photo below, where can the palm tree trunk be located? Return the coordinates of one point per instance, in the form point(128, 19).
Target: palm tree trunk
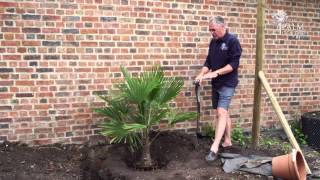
point(146, 162)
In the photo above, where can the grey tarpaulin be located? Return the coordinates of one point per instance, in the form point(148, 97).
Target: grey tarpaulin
point(253, 164)
point(316, 174)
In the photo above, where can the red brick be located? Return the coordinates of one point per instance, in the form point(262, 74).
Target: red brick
point(61, 129)
point(50, 30)
point(90, 44)
point(47, 94)
point(43, 106)
point(8, 4)
point(43, 130)
point(10, 43)
point(24, 83)
point(6, 96)
point(23, 131)
point(11, 57)
point(89, 31)
point(31, 43)
point(4, 120)
point(42, 141)
point(89, 18)
point(11, 29)
point(22, 107)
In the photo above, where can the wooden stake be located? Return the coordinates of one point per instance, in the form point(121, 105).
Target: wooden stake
point(258, 67)
point(281, 116)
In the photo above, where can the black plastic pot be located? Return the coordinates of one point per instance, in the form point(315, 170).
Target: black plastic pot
point(311, 128)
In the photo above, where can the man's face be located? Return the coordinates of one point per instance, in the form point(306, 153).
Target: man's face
point(216, 30)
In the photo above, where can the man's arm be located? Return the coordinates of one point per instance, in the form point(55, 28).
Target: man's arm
point(225, 70)
point(236, 52)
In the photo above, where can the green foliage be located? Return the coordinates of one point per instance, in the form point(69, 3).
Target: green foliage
point(138, 104)
point(297, 131)
point(208, 131)
point(286, 147)
point(271, 143)
point(237, 135)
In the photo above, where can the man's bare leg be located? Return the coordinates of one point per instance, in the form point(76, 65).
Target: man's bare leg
point(227, 134)
point(220, 128)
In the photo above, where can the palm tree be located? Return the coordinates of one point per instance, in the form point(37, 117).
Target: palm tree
point(138, 104)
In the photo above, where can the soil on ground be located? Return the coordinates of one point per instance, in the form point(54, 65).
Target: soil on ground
point(180, 156)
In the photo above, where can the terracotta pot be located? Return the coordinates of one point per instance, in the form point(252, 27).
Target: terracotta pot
point(290, 166)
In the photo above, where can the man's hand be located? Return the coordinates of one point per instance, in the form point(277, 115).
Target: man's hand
point(201, 75)
point(199, 79)
point(211, 75)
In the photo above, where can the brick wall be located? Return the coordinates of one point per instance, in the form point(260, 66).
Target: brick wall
point(55, 56)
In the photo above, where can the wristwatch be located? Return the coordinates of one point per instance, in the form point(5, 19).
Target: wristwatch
point(218, 73)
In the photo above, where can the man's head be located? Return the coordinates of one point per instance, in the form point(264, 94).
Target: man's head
point(217, 27)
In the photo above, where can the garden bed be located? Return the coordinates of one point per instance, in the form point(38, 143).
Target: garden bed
point(176, 154)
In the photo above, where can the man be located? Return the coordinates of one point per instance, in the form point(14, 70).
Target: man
point(221, 66)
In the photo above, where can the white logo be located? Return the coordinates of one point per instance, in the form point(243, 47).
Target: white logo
point(286, 25)
point(280, 18)
point(224, 47)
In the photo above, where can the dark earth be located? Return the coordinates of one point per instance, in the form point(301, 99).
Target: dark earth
point(177, 154)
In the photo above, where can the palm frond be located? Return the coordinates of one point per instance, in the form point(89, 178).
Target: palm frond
point(158, 112)
point(121, 132)
point(138, 90)
point(135, 127)
point(116, 109)
point(170, 89)
point(174, 117)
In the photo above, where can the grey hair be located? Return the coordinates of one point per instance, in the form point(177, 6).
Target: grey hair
point(216, 20)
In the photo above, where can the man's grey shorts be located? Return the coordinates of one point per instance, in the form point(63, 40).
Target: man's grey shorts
point(222, 97)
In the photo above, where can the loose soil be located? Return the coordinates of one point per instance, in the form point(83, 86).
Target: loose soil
point(178, 154)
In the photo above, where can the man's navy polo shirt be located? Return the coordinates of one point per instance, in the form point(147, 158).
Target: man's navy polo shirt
point(226, 50)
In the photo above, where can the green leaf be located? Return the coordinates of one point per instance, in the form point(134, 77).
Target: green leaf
point(134, 127)
point(122, 133)
point(140, 89)
point(170, 89)
point(181, 117)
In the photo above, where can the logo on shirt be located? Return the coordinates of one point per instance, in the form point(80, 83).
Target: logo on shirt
point(224, 47)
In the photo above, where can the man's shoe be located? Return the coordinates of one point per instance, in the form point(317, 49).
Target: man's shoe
point(211, 157)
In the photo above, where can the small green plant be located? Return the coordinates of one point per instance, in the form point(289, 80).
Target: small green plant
point(271, 143)
point(237, 135)
point(297, 131)
point(286, 147)
point(208, 131)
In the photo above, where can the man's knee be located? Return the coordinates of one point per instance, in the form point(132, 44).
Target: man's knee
point(222, 113)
